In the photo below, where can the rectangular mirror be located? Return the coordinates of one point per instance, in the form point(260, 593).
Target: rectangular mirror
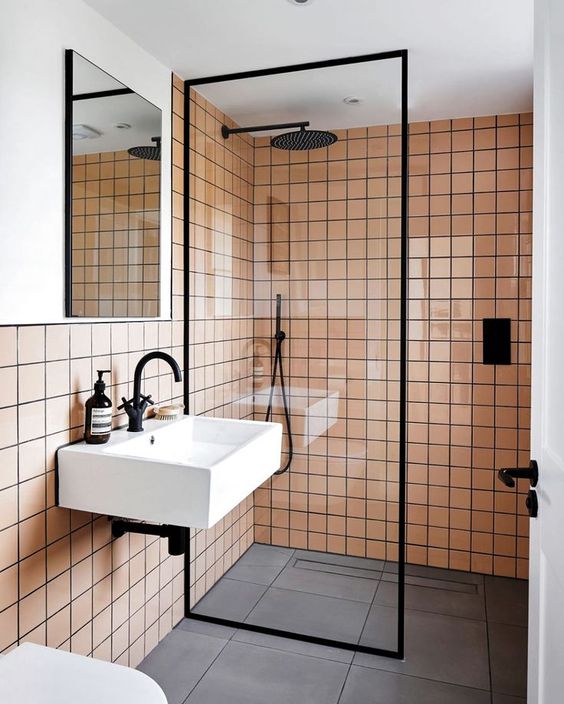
point(113, 197)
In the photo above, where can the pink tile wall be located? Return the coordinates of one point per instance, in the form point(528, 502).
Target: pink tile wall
point(64, 581)
point(326, 237)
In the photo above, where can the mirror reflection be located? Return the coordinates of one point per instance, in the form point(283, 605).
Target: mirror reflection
point(114, 211)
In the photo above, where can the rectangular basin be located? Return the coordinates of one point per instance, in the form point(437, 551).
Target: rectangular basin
point(189, 472)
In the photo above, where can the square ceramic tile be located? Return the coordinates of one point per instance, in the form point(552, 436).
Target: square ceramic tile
point(459, 654)
point(367, 685)
point(507, 600)
point(310, 614)
point(180, 661)
point(261, 564)
point(508, 658)
point(230, 599)
point(244, 673)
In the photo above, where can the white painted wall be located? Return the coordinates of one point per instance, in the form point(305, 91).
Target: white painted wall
point(33, 37)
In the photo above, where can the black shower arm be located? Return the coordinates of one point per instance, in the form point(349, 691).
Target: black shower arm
point(226, 131)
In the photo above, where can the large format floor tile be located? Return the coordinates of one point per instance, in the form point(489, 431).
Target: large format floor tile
point(381, 628)
point(294, 645)
point(364, 685)
point(465, 635)
point(230, 599)
point(310, 614)
point(261, 564)
point(247, 674)
point(436, 600)
point(507, 600)
point(508, 659)
point(443, 648)
point(341, 586)
point(179, 662)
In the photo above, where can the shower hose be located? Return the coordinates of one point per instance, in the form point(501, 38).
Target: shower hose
point(278, 370)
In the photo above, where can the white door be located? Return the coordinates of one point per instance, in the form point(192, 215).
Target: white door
point(546, 601)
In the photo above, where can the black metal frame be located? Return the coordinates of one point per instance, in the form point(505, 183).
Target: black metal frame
point(103, 93)
point(69, 53)
point(226, 131)
point(403, 55)
point(70, 99)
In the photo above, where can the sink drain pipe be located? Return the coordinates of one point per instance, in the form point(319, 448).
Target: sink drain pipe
point(176, 534)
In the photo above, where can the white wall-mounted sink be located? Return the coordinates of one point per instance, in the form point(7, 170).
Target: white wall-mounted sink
point(190, 472)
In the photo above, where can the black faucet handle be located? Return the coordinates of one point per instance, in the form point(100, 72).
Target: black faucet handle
point(148, 399)
point(126, 404)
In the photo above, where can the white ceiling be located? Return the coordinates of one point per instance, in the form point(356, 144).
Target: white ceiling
point(104, 113)
point(466, 57)
point(316, 96)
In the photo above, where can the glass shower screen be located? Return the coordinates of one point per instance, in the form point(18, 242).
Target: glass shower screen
point(317, 552)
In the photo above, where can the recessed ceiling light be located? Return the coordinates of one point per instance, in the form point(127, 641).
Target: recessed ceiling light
point(84, 132)
point(300, 2)
point(122, 126)
point(352, 100)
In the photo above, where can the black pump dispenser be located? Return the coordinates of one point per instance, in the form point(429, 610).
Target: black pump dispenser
point(98, 421)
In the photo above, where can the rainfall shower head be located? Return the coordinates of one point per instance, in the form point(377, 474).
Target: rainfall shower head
point(303, 140)
point(300, 139)
point(152, 152)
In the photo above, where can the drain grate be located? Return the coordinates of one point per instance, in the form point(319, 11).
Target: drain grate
point(429, 582)
point(332, 568)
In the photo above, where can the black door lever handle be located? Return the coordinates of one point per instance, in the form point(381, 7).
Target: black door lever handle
point(508, 476)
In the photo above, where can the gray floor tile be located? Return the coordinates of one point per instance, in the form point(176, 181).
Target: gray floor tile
point(439, 601)
point(507, 600)
point(508, 659)
point(444, 648)
point(311, 614)
point(230, 599)
point(381, 628)
point(179, 661)
point(261, 564)
point(206, 629)
point(247, 674)
point(260, 554)
point(329, 596)
point(364, 685)
point(292, 645)
point(326, 583)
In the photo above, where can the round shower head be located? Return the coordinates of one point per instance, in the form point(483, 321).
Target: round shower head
point(303, 140)
point(153, 152)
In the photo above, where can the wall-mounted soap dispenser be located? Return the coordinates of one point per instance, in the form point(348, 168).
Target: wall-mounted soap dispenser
point(98, 422)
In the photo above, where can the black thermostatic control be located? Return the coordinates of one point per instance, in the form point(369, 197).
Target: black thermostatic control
point(497, 340)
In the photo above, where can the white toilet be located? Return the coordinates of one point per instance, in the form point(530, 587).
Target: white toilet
point(34, 674)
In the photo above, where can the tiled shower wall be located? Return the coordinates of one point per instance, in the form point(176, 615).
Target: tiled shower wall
point(63, 581)
point(327, 229)
point(115, 235)
point(326, 237)
point(220, 329)
point(470, 258)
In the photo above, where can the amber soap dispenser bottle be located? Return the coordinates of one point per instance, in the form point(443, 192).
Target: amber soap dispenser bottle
point(98, 423)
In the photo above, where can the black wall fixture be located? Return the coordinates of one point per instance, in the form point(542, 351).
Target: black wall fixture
point(496, 340)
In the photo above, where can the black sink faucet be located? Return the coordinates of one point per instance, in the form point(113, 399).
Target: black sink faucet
point(136, 407)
